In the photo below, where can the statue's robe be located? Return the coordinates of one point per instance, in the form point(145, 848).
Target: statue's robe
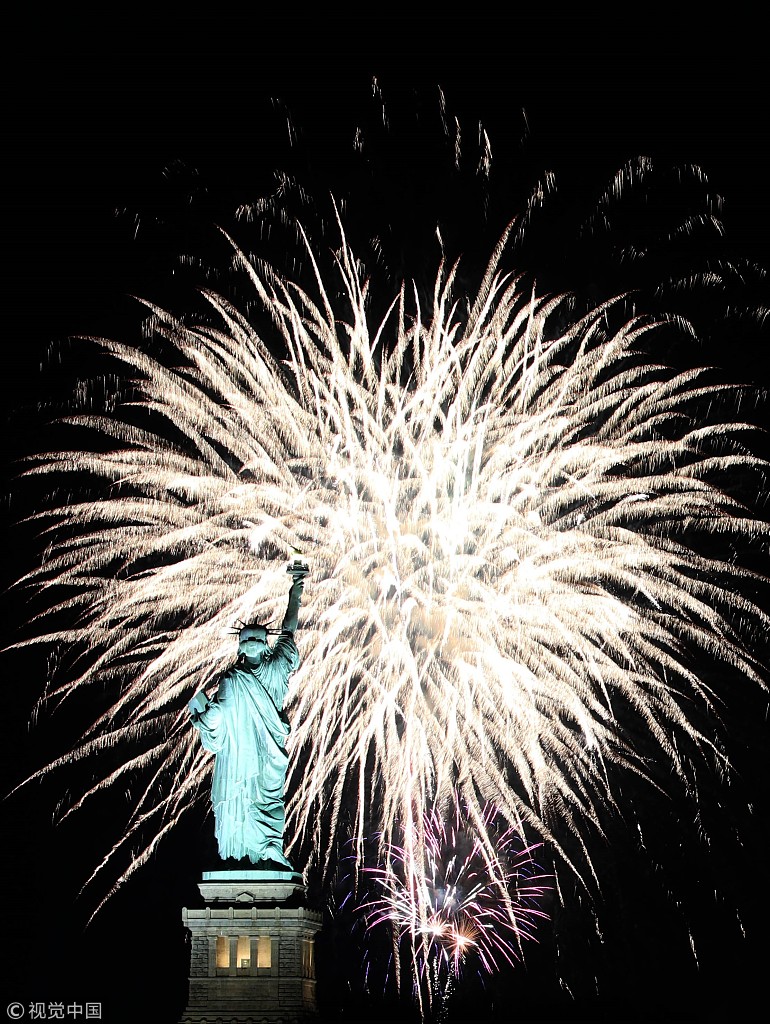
point(244, 725)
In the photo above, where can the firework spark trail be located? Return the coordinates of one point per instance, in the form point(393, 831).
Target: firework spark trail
point(444, 900)
point(506, 531)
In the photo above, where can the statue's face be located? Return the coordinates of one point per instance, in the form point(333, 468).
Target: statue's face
point(252, 643)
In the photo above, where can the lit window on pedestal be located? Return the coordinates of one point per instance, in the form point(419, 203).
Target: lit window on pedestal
point(308, 958)
point(264, 951)
point(223, 951)
point(243, 952)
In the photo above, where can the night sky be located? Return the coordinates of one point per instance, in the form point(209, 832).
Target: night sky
point(175, 136)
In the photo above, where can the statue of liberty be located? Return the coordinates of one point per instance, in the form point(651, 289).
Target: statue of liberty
point(245, 726)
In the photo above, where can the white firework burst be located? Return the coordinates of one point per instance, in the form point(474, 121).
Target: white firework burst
point(508, 529)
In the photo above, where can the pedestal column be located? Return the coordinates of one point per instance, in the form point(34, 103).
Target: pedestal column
point(252, 957)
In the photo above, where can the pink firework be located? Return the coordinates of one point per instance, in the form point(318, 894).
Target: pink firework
point(448, 902)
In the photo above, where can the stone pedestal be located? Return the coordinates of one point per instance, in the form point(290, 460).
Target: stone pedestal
point(252, 957)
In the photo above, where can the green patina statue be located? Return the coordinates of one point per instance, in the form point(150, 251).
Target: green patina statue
point(245, 726)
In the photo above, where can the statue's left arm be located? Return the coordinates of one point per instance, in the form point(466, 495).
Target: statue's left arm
point(206, 716)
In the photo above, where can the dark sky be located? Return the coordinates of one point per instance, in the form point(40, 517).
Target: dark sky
point(91, 127)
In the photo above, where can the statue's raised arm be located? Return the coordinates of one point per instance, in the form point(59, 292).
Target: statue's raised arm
point(298, 570)
point(245, 726)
